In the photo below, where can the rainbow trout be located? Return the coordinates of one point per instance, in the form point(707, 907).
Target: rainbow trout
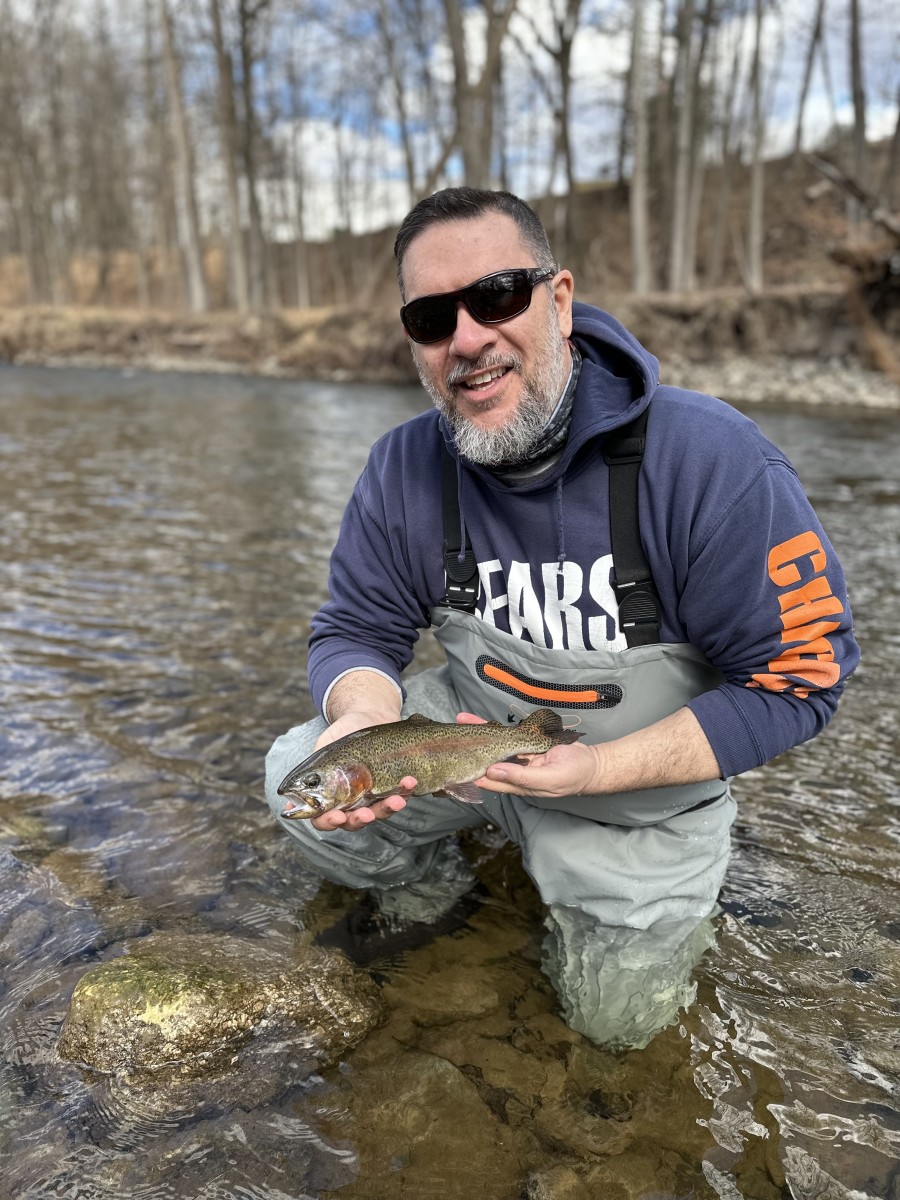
point(444, 758)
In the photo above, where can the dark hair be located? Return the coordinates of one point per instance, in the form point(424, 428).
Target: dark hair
point(467, 204)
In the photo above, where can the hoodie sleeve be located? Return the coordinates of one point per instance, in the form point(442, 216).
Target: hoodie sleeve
point(372, 617)
point(766, 601)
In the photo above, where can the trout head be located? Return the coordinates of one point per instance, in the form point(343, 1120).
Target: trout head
point(311, 791)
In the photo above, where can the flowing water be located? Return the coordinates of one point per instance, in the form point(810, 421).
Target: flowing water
point(163, 542)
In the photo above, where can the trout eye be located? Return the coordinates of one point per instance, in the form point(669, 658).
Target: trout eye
point(312, 780)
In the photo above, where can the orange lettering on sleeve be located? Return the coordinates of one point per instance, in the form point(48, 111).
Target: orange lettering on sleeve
point(806, 661)
point(783, 558)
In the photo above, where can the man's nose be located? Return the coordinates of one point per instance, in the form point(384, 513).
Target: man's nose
point(471, 338)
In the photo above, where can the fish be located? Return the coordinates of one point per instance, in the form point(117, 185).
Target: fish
point(444, 757)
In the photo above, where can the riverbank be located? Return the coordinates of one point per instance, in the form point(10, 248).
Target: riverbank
point(787, 346)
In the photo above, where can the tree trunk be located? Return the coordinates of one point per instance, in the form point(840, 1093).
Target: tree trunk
point(684, 91)
point(399, 86)
point(716, 265)
point(757, 177)
point(229, 140)
point(248, 14)
point(698, 160)
point(892, 166)
point(474, 101)
point(807, 74)
point(859, 109)
point(185, 199)
point(638, 195)
point(566, 28)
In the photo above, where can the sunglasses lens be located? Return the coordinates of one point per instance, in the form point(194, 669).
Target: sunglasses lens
point(499, 297)
point(430, 319)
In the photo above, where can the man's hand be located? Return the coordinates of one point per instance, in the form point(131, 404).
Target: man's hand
point(560, 771)
point(672, 751)
point(379, 811)
point(356, 702)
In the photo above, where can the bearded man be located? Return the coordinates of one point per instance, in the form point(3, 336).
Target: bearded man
point(634, 556)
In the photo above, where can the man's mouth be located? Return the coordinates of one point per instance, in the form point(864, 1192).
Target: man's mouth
point(480, 381)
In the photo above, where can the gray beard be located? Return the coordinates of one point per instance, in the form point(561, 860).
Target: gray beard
point(509, 443)
point(512, 442)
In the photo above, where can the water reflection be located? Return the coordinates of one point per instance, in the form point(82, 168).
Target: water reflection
point(164, 542)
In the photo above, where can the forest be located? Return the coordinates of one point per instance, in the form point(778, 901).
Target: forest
point(255, 155)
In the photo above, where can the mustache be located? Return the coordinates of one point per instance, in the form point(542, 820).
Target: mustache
point(485, 363)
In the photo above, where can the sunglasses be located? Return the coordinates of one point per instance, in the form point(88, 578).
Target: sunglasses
point(490, 300)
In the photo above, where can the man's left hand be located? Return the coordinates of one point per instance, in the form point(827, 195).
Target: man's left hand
point(560, 771)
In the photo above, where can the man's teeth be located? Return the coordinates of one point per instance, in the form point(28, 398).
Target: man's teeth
point(485, 377)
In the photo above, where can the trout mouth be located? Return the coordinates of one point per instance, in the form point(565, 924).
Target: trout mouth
point(307, 807)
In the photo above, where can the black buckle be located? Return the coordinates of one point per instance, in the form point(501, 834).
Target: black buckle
point(462, 580)
point(638, 603)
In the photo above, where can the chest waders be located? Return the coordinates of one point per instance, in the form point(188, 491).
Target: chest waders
point(605, 693)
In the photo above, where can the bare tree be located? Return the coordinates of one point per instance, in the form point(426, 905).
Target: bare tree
point(698, 156)
point(641, 261)
point(474, 100)
point(249, 14)
point(892, 166)
point(815, 38)
point(729, 132)
point(228, 133)
point(392, 54)
point(684, 76)
point(185, 196)
point(755, 232)
point(859, 108)
point(564, 18)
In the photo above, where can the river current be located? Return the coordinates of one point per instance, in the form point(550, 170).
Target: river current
point(164, 539)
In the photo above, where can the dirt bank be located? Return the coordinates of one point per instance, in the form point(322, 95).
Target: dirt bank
point(800, 345)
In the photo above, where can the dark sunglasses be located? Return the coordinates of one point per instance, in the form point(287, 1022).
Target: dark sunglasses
point(490, 300)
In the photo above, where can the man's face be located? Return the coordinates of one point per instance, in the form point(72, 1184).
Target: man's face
point(496, 385)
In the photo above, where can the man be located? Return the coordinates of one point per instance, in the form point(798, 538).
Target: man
point(635, 556)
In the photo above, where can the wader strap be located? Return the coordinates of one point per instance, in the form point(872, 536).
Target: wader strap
point(639, 608)
point(460, 574)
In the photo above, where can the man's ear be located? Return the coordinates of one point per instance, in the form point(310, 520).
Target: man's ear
point(563, 295)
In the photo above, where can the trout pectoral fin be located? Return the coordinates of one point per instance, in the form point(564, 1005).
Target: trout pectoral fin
point(466, 793)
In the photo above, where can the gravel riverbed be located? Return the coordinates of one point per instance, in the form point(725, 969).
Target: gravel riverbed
point(823, 383)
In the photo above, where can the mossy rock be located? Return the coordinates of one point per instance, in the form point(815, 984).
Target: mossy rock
point(186, 1004)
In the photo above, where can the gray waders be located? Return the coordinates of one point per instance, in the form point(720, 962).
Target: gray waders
point(628, 880)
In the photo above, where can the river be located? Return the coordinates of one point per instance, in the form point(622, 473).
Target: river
point(164, 539)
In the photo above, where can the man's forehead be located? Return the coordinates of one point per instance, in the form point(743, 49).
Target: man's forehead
point(450, 254)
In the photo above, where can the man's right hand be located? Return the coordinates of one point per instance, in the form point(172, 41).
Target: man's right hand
point(356, 702)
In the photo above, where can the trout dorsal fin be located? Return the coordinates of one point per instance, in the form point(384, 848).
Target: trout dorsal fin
point(419, 719)
point(550, 724)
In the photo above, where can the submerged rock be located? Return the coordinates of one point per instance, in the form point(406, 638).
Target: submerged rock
point(184, 1005)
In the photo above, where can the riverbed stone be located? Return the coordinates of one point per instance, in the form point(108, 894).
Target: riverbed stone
point(638, 1173)
point(422, 1129)
point(184, 1004)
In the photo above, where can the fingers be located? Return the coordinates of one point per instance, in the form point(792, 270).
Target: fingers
point(503, 778)
point(467, 718)
point(380, 810)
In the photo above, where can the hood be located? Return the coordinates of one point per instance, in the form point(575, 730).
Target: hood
point(607, 344)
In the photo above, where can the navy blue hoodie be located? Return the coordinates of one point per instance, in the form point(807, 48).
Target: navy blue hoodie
point(744, 570)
